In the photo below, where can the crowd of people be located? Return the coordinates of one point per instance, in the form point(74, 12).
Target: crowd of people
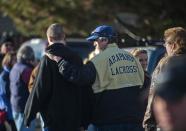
point(111, 91)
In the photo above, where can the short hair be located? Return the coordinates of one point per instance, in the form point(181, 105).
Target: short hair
point(25, 53)
point(177, 35)
point(56, 31)
point(8, 59)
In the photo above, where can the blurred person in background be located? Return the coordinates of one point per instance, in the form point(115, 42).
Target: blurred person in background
point(32, 78)
point(8, 61)
point(39, 124)
point(142, 56)
point(19, 78)
point(170, 95)
point(175, 44)
point(36, 68)
point(5, 48)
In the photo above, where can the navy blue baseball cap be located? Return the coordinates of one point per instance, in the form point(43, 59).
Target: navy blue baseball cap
point(102, 31)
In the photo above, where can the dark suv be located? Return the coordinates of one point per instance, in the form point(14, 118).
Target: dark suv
point(81, 46)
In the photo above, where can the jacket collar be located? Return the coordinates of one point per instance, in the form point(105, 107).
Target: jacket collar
point(112, 45)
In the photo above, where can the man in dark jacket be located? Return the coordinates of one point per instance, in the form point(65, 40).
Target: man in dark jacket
point(56, 99)
point(116, 77)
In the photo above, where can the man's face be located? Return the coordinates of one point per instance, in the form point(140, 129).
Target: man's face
point(169, 46)
point(170, 116)
point(101, 44)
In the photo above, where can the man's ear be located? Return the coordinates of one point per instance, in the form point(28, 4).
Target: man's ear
point(174, 46)
point(50, 39)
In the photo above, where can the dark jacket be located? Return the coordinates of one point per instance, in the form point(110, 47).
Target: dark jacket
point(19, 77)
point(107, 107)
point(145, 92)
point(58, 101)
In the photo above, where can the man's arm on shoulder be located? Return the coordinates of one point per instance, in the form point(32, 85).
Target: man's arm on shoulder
point(79, 75)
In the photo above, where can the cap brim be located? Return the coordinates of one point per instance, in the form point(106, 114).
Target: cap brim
point(92, 38)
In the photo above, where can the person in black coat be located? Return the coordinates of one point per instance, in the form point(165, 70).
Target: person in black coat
point(58, 101)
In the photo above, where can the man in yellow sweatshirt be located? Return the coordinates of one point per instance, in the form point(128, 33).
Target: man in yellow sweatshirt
point(116, 77)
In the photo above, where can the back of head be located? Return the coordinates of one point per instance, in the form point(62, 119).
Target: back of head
point(25, 53)
point(56, 32)
point(177, 35)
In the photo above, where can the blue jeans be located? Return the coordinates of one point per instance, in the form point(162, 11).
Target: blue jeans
point(42, 123)
point(117, 127)
point(91, 127)
point(18, 119)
